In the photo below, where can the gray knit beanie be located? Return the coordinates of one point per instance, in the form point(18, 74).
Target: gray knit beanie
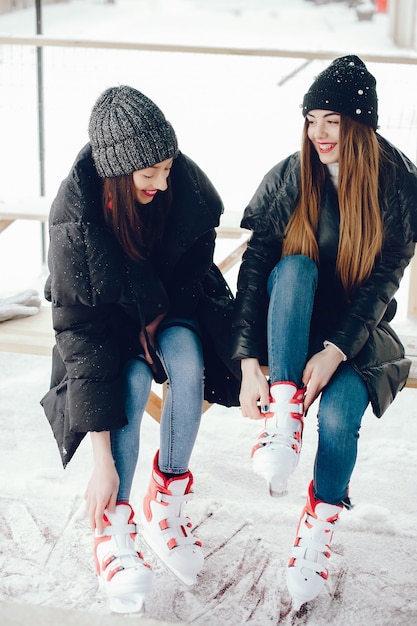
point(345, 87)
point(128, 132)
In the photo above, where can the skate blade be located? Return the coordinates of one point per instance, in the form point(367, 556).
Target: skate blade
point(297, 603)
point(277, 488)
point(129, 603)
point(188, 580)
point(277, 494)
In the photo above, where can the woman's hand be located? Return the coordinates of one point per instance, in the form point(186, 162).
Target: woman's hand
point(254, 387)
point(151, 331)
point(103, 486)
point(318, 371)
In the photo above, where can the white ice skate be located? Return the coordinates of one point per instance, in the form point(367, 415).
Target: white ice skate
point(277, 451)
point(166, 529)
point(123, 574)
point(307, 569)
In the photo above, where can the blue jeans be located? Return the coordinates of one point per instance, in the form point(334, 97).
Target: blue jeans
point(292, 286)
point(179, 349)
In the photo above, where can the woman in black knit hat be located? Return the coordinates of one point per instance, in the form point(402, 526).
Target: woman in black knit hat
point(132, 280)
point(333, 228)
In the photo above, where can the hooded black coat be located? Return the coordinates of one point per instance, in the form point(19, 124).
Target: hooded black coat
point(360, 328)
point(99, 297)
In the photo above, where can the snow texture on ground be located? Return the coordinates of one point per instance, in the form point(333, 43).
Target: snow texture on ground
point(46, 545)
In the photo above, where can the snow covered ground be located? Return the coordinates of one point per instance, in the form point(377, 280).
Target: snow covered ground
point(45, 542)
point(236, 116)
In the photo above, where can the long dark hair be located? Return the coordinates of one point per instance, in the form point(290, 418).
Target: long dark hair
point(137, 227)
point(361, 228)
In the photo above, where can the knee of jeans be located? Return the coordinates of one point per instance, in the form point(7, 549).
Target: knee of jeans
point(292, 268)
point(136, 374)
point(190, 370)
point(338, 427)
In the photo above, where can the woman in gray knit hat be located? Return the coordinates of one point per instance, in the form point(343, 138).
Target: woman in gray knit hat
point(132, 279)
point(333, 228)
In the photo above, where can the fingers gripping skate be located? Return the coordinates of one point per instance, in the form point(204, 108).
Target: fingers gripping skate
point(277, 451)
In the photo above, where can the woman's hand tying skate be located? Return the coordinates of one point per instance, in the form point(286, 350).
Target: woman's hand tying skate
point(254, 388)
point(103, 486)
point(318, 371)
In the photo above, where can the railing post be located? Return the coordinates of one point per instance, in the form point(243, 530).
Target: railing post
point(41, 125)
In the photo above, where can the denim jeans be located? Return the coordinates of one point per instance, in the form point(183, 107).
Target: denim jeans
point(179, 349)
point(292, 286)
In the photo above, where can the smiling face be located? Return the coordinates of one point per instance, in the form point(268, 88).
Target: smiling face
point(149, 181)
point(323, 132)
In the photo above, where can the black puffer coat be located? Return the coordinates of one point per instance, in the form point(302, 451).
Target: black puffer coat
point(360, 329)
point(99, 294)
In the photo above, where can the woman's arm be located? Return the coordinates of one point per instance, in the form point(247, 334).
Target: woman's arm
point(101, 492)
point(318, 371)
point(254, 388)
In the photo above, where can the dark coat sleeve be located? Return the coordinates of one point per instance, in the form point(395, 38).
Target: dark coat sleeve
point(86, 269)
point(266, 216)
point(90, 350)
point(251, 306)
point(368, 306)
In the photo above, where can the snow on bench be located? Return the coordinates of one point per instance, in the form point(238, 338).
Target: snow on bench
point(36, 208)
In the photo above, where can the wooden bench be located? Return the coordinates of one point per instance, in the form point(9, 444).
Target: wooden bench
point(410, 346)
point(33, 209)
point(34, 334)
point(24, 209)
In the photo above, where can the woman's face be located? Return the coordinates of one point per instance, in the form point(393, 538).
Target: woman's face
point(323, 132)
point(149, 181)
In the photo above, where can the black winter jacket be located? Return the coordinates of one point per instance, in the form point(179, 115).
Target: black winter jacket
point(359, 328)
point(99, 296)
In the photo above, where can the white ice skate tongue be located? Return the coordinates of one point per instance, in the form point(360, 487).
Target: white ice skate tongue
point(178, 487)
point(325, 511)
point(283, 392)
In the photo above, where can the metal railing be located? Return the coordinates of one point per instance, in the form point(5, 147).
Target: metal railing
point(74, 70)
point(40, 43)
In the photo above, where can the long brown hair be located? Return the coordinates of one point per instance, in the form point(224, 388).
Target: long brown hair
point(137, 227)
point(361, 228)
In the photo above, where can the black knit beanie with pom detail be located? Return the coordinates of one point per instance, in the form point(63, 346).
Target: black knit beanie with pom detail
point(345, 87)
point(128, 132)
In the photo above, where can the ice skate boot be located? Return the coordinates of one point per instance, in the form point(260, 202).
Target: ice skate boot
point(277, 451)
point(166, 529)
point(307, 568)
point(123, 574)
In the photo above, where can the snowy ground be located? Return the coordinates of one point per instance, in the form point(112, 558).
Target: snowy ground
point(45, 542)
point(236, 118)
